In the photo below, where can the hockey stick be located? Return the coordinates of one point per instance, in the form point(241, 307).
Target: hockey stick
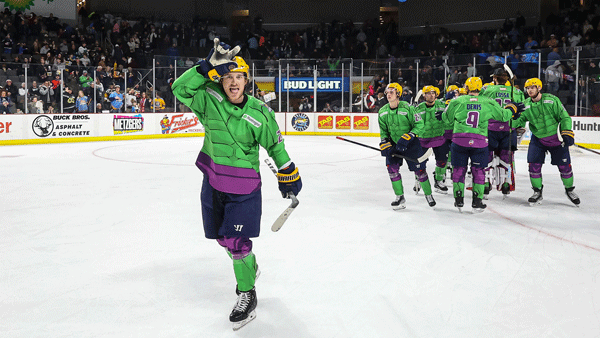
point(419, 94)
point(512, 86)
point(575, 144)
point(287, 212)
point(418, 160)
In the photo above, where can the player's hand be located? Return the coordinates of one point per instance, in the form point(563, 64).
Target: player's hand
point(516, 108)
point(404, 140)
point(386, 147)
point(289, 180)
point(568, 137)
point(219, 61)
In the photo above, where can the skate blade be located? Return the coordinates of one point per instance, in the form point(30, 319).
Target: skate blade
point(441, 191)
point(485, 197)
point(242, 323)
point(532, 204)
point(400, 207)
point(478, 210)
point(504, 197)
point(459, 209)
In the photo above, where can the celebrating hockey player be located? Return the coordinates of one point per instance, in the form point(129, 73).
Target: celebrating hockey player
point(433, 133)
point(470, 115)
point(235, 125)
point(399, 127)
point(552, 132)
point(502, 142)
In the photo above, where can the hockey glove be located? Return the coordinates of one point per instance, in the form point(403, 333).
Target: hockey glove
point(386, 147)
point(516, 108)
point(289, 180)
point(219, 61)
point(404, 140)
point(450, 95)
point(568, 137)
point(438, 115)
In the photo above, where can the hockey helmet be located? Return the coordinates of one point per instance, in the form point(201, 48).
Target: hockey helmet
point(473, 84)
point(428, 89)
point(500, 72)
point(451, 88)
point(396, 86)
point(242, 66)
point(462, 91)
point(534, 81)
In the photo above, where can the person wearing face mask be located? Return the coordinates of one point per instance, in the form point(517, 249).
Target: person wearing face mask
point(235, 125)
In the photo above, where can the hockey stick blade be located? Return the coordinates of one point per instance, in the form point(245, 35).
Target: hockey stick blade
point(509, 71)
point(285, 214)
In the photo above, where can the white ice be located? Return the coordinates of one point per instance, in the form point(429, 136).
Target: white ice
point(105, 240)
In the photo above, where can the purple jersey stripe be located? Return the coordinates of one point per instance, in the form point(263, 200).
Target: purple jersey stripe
point(495, 125)
point(432, 142)
point(228, 179)
point(470, 140)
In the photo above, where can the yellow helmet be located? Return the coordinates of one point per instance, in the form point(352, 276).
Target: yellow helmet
point(462, 91)
point(473, 84)
point(428, 89)
point(242, 66)
point(451, 88)
point(534, 81)
point(395, 86)
point(488, 84)
point(507, 83)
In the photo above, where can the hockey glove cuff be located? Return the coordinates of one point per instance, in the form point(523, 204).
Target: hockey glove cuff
point(386, 147)
point(404, 141)
point(568, 137)
point(289, 180)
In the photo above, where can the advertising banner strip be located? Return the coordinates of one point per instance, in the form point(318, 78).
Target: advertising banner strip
point(307, 84)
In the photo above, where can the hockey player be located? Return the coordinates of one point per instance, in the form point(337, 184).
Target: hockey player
point(433, 134)
point(470, 114)
point(235, 125)
point(552, 132)
point(502, 142)
point(399, 127)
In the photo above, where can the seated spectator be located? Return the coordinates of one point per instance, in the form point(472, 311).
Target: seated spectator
point(35, 106)
point(116, 100)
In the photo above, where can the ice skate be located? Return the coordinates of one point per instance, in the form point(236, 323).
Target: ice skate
point(399, 203)
point(505, 190)
point(440, 187)
point(244, 310)
point(572, 196)
point(430, 200)
point(536, 198)
point(459, 201)
point(486, 190)
point(477, 204)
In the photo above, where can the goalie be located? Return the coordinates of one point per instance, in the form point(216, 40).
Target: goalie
point(502, 141)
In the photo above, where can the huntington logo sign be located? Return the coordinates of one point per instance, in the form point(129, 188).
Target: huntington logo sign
point(307, 84)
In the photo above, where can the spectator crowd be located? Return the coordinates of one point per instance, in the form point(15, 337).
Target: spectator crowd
point(105, 63)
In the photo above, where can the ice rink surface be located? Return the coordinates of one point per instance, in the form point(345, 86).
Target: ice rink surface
point(105, 240)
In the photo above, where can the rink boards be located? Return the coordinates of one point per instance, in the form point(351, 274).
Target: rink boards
point(59, 128)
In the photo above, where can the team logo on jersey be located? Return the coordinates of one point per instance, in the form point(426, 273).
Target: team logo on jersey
point(300, 122)
point(42, 126)
point(471, 142)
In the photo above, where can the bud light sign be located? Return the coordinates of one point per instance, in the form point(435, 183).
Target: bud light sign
point(307, 84)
